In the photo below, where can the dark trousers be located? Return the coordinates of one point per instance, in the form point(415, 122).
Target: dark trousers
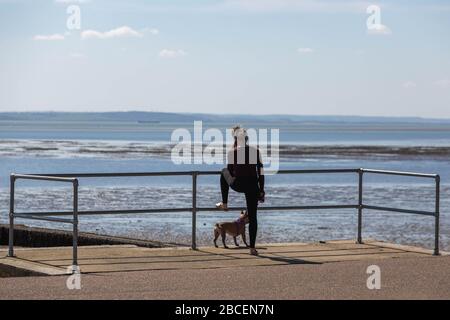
point(248, 186)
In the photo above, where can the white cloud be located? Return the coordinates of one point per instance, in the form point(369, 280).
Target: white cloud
point(121, 32)
point(443, 83)
point(379, 29)
point(409, 85)
point(172, 53)
point(50, 37)
point(305, 50)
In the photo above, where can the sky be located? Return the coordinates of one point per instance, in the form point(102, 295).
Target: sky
point(308, 57)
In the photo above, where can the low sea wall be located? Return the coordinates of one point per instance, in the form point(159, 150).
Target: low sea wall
point(40, 237)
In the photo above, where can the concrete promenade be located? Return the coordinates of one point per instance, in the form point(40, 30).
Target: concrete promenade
point(332, 270)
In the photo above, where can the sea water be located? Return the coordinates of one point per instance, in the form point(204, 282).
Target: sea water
point(77, 147)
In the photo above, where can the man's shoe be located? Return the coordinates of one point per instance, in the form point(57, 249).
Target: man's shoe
point(222, 206)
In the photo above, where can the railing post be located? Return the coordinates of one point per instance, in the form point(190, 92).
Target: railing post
point(194, 210)
point(360, 205)
point(436, 216)
point(11, 216)
point(75, 225)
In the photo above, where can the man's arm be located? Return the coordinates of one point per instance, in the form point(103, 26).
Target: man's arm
point(260, 169)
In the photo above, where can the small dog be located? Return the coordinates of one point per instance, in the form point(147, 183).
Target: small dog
point(235, 229)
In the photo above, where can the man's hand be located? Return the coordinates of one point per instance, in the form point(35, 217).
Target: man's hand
point(262, 196)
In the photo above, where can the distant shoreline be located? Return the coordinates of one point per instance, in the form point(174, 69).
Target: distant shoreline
point(144, 116)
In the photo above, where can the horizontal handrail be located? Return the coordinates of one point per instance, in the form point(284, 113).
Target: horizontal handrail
point(43, 177)
point(380, 208)
point(44, 217)
point(402, 173)
point(70, 176)
point(119, 174)
point(186, 209)
point(178, 173)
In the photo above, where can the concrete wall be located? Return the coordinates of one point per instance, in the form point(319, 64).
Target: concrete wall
point(39, 237)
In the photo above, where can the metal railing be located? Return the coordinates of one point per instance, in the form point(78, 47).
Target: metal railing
point(73, 178)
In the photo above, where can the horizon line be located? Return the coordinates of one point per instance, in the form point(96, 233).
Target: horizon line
point(233, 114)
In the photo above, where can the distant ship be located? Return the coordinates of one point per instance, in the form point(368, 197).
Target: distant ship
point(149, 121)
